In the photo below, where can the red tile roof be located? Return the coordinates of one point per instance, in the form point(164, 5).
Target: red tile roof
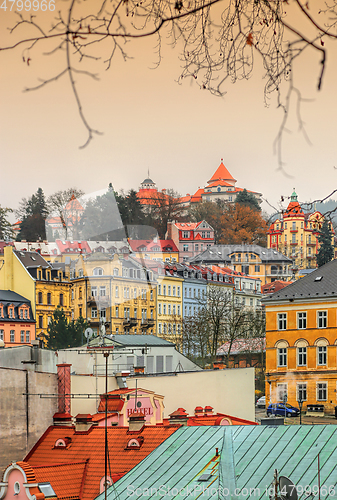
point(89, 446)
point(275, 286)
point(72, 246)
point(114, 405)
point(151, 244)
point(67, 480)
point(222, 174)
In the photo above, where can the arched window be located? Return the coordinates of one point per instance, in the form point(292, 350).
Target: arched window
point(98, 271)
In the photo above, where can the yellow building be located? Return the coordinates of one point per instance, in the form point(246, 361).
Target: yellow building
point(265, 264)
point(116, 291)
point(170, 306)
point(45, 285)
point(301, 340)
point(295, 234)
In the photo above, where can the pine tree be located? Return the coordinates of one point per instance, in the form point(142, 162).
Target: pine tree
point(33, 213)
point(248, 199)
point(326, 251)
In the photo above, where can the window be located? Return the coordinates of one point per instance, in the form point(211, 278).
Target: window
point(102, 314)
point(169, 309)
point(282, 392)
point(302, 356)
point(174, 291)
point(40, 298)
point(40, 321)
point(282, 356)
point(102, 290)
point(173, 309)
point(116, 312)
point(257, 269)
point(322, 317)
point(169, 290)
point(61, 299)
point(185, 234)
point(94, 291)
point(116, 292)
point(179, 310)
point(322, 391)
point(12, 335)
point(164, 290)
point(301, 392)
point(282, 321)
point(22, 336)
point(79, 293)
point(1, 334)
point(21, 314)
point(94, 312)
point(159, 289)
point(196, 247)
point(321, 355)
point(98, 271)
point(164, 309)
point(301, 320)
point(151, 294)
point(159, 308)
point(185, 248)
point(159, 327)
point(49, 298)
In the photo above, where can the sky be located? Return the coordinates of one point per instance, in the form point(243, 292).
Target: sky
point(149, 122)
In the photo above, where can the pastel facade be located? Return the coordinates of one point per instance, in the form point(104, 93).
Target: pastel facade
point(156, 249)
point(301, 340)
point(17, 324)
point(295, 234)
point(116, 291)
point(191, 238)
point(44, 285)
point(170, 306)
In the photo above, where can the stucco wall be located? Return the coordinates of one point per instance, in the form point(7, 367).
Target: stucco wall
point(227, 391)
point(23, 418)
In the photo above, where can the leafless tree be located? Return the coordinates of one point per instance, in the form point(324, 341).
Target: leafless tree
point(218, 41)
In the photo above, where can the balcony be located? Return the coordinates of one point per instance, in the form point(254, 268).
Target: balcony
point(293, 242)
point(101, 301)
point(311, 243)
point(147, 323)
point(130, 322)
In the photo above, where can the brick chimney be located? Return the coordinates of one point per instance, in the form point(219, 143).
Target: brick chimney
point(64, 387)
point(179, 417)
point(136, 421)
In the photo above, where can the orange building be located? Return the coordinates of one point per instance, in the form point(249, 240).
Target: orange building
point(17, 324)
point(301, 340)
point(295, 234)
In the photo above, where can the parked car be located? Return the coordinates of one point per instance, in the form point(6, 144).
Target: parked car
point(261, 402)
point(283, 410)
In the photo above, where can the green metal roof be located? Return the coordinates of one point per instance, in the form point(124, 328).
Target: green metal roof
point(244, 467)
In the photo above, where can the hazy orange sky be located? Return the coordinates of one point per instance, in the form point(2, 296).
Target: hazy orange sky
point(148, 121)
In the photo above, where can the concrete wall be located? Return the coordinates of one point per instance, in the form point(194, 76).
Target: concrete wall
point(228, 391)
point(23, 419)
point(44, 360)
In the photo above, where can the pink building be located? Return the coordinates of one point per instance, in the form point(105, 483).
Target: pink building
point(191, 238)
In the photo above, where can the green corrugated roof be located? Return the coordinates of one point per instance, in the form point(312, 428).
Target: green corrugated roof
point(248, 456)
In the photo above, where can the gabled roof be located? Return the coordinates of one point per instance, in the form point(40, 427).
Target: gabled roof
point(211, 461)
point(321, 283)
point(67, 480)
point(222, 253)
point(89, 446)
point(275, 286)
point(222, 173)
point(31, 259)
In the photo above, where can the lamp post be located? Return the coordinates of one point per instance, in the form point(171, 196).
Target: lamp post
point(300, 404)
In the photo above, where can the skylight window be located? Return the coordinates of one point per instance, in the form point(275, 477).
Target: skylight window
point(318, 278)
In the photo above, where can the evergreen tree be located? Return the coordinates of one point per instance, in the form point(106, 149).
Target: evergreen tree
point(6, 231)
point(248, 199)
point(33, 213)
point(326, 251)
point(63, 334)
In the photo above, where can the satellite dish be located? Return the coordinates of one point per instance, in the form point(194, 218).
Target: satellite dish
point(88, 333)
point(288, 490)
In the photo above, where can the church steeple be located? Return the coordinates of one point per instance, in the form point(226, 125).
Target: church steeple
point(293, 196)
